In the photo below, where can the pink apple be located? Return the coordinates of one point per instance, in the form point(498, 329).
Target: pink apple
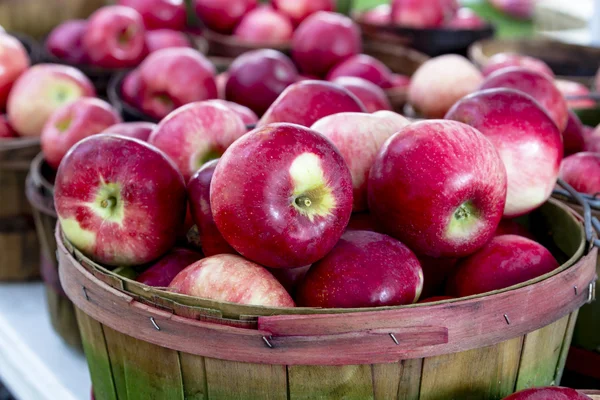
point(527, 140)
point(505, 261)
point(591, 139)
point(364, 269)
point(324, 40)
point(231, 278)
point(164, 39)
point(258, 77)
point(247, 115)
point(363, 66)
point(136, 130)
point(439, 187)
point(223, 16)
point(504, 60)
point(114, 37)
point(370, 95)
point(548, 393)
point(380, 15)
point(264, 26)
point(13, 62)
point(440, 82)
point(400, 81)
point(73, 122)
point(281, 196)
point(435, 273)
point(131, 88)
point(466, 18)
point(66, 41)
point(160, 14)
point(306, 102)
point(582, 171)
point(170, 78)
point(521, 9)
point(118, 209)
point(512, 227)
point(299, 10)
point(290, 278)
point(575, 89)
point(358, 137)
point(573, 135)
point(197, 133)
point(436, 298)
point(418, 13)
point(6, 131)
point(162, 272)
point(40, 91)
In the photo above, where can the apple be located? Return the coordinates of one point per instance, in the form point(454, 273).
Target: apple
point(435, 272)
point(370, 95)
point(582, 171)
point(363, 66)
point(162, 272)
point(116, 208)
point(400, 81)
point(362, 221)
point(66, 41)
point(439, 187)
point(573, 135)
point(548, 393)
point(249, 118)
point(358, 137)
point(170, 78)
point(306, 102)
point(591, 138)
point(436, 298)
point(160, 14)
point(537, 85)
point(73, 122)
point(6, 131)
point(299, 10)
point(231, 278)
point(512, 227)
point(221, 81)
point(40, 91)
point(466, 18)
point(364, 269)
point(380, 15)
point(164, 39)
point(264, 26)
point(290, 278)
point(505, 60)
point(257, 78)
point(136, 130)
point(575, 89)
point(418, 13)
point(521, 9)
point(528, 141)
point(13, 62)
point(114, 37)
point(196, 133)
point(323, 40)
point(281, 195)
point(223, 16)
point(131, 88)
point(440, 82)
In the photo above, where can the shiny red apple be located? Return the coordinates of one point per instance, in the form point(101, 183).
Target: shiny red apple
point(162, 272)
point(582, 171)
point(66, 41)
point(160, 14)
point(136, 130)
point(299, 10)
point(223, 16)
point(573, 135)
point(247, 115)
point(548, 393)
point(505, 60)
point(370, 95)
point(164, 39)
point(418, 13)
point(363, 66)
point(264, 26)
point(13, 62)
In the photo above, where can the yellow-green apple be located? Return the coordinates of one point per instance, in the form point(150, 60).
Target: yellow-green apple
point(247, 115)
point(512, 227)
point(358, 137)
point(504, 60)
point(370, 95)
point(170, 78)
point(548, 393)
point(575, 89)
point(231, 278)
point(439, 187)
point(66, 41)
point(73, 122)
point(573, 135)
point(281, 195)
point(537, 85)
point(159, 14)
point(196, 133)
point(162, 272)
point(526, 138)
point(380, 15)
point(257, 78)
point(418, 13)
point(305, 102)
point(299, 10)
point(6, 131)
point(210, 239)
point(40, 91)
point(264, 26)
point(364, 269)
point(13, 62)
point(521, 9)
point(223, 16)
point(323, 40)
point(363, 66)
point(136, 130)
point(120, 201)
point(114, 37)
point(465, 18)
point(440, 82)
point(164, 39)
point(582, 171)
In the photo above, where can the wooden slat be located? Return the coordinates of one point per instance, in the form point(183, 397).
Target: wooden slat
point(386, 380)
point(62, 317)
point(349, 382)
point(410, 379)
point(193, 374)
point(566, 345)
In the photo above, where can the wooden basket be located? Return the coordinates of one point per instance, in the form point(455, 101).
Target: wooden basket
point(144, 343)
point(594, 394)
point(40, 193)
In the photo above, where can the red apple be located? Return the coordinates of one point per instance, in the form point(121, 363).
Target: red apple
point(221, 81)
point(114, 37)
point(400, 81)
point(164, 39)
point(170, 78)
point(131, 88)
point(363, 66)
point(248, 116)
point(6, 131)
point(362, 221)
point(197, 133)
point(66, 41)
point(370, 95)
point(418, 13)
point(505, 261)
point(324, 40)
point(573, 135)
point(548, 393)
point(582, 171)
point(116, 208)
point(231, 278)
point(162, 272)
point(466, 18)
point(281, 196)
point(440, 82)
point(305, 102)
point(13, 62)
point(504, 60)
point(264, 26)
point(299, 10)
point(290, 278)
point(512, 227)
point(537, 85)
point(73, 122)
point(358, 137)
point(40, 91)
point(223, 16)
point(527, 140)
point(364, 269)
point(258, 77)
point(575, 89)
point(380, 15)
point(435, 273)
point(521, 9)
point(436, 298)
point(439, 187)
point(160, 14)
point(136, 130)
point(591, 138)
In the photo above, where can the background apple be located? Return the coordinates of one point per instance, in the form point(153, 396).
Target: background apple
point(6, 131)
point(522, 9)
point(380, 15)
point(548, 393)
point(570, 88)
point(164, 39)
point(298, 10)
point(13, 62)
point(370, 95)
point(162, 272)
point(418, 13)
point(363, 66)
point(160, 14)
point(131, 88)
point(136, 130)
point(264, 26)
point(400, 81)
point(247, 115)
point(66, 41)
point(504, 60)
point(223, 16)
point(573, 135)
point(466, 18)
point(582, 171)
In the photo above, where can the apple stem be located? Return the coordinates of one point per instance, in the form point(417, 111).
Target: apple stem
point(109, 202)
point(303, 201)
point(462, 212)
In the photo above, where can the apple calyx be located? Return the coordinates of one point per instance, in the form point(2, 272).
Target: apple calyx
point(64, 92)
point(464, 221)
point(126, 34)
point(108, 203)
point(206, 156)
point(311, 196)
point(64, 124)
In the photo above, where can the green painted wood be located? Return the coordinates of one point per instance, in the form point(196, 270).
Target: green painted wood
point(193, 373)
point(348, 382)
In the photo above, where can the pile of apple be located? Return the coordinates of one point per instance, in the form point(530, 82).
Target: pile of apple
point(548, 393)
